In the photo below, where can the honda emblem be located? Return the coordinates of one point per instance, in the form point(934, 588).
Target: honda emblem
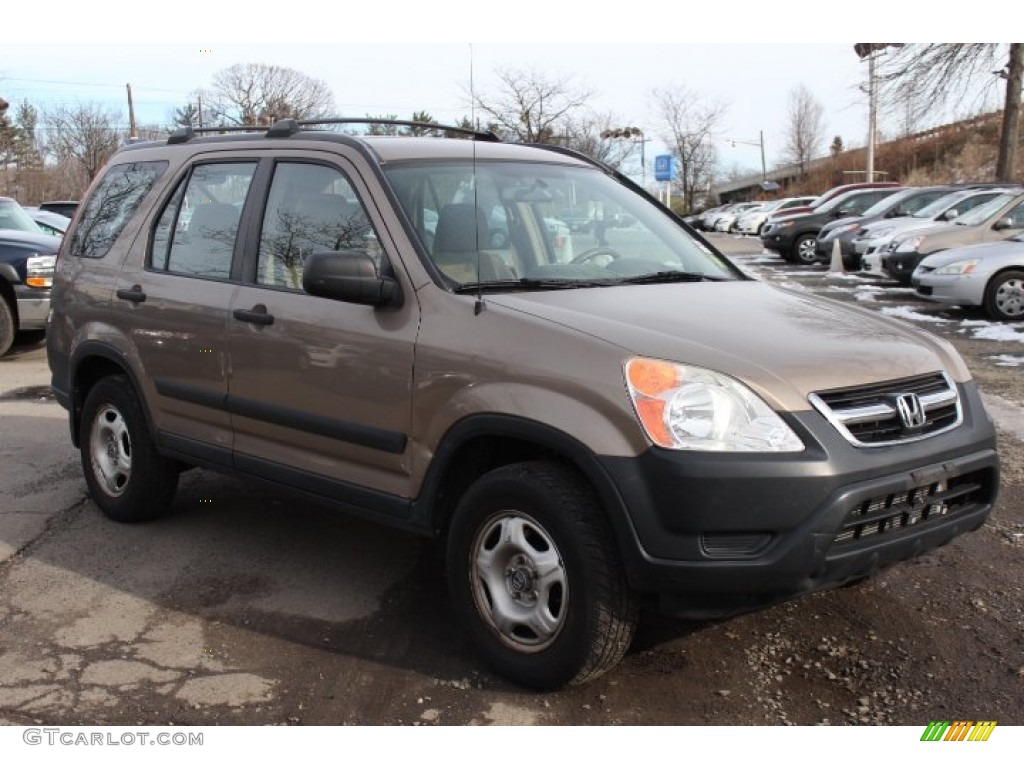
point(910, 410)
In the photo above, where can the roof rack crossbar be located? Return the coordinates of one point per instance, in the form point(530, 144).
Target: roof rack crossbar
point(288, 126)
point(480, 135)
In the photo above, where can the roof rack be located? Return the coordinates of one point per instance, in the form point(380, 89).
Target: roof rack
point(289, 126)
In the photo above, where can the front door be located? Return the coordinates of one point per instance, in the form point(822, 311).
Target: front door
point(320, 390)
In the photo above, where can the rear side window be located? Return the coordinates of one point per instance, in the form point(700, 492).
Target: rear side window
point(196, 233)
point(110, 206)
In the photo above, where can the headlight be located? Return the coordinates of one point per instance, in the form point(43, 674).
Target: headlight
point(684, 407)
point(880, 233)
point(845, 228)
point(39, 271)
point(785, 224)
point(964, 267)
point(910, 244)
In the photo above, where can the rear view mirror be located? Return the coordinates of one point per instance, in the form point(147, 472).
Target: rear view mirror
point(951, 214)
point(1004, 223)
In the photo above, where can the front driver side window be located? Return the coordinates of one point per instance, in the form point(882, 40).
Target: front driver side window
point(310, 209)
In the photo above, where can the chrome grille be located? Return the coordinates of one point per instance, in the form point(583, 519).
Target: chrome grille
point(869, 416)
point(942, 500)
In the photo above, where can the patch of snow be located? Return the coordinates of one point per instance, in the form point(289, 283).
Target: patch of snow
point(995, 332)
point(1007, 361)
point(906, 313)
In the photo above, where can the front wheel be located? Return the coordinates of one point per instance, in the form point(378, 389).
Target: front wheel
point(804, 249)
point(535, 577)
point(7, 329)
point(127, 478)
point(1004, 296)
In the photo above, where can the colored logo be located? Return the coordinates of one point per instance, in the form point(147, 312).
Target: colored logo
point(958, 730)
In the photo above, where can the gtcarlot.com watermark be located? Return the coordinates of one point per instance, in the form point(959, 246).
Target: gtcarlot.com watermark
point(56, 737)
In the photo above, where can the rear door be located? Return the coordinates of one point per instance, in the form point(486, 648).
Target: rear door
point(320, 390)
point(176, 303)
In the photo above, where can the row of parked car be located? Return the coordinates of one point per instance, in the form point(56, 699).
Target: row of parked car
point(960, 244)
point(29, 240)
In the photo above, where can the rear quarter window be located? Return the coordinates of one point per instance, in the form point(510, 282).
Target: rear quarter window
point(112, 203)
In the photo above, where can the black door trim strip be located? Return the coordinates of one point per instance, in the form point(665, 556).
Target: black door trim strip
point(346, 431)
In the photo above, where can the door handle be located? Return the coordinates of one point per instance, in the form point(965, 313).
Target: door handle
point(258, 315)
point(135, 294)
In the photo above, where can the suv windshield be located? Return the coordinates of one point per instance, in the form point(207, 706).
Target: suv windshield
point(498, 224)
point(13, 216)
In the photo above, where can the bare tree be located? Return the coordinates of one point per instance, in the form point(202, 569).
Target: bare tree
point(932, 74)
point(532, 106)
point(688, 123)
point(836, 148)
point(604, 137)
point(805, 130)
point(86, 133)
point(252, 94)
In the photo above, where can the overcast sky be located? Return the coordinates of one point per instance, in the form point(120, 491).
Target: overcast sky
point(731, 52)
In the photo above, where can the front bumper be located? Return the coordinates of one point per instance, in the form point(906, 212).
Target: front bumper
point(900, 265)
point(718, 533)
point(33, 307)
point(780, 241)
point(955, 290)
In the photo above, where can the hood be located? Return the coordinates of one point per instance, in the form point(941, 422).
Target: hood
point(1014, 248)
point(45, 244)
point(783, 344)
point(943, 236)
point(832, 226)
point(897, 226)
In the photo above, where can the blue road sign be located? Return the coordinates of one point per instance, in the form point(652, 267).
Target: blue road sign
point(664, 167)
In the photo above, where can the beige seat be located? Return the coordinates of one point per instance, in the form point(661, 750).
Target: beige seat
point(460, 229)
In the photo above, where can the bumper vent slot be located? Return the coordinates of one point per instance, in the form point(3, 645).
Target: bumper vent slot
point(875, 517)
point(892, 412)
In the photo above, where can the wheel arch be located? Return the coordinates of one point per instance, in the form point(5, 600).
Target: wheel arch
point(477, 444)
point(91, 362)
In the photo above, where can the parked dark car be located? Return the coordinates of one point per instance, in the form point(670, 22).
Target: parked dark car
point(795, 237)
point(831, 194)
point(63, 207)
point(26, 273)
point(905, 202)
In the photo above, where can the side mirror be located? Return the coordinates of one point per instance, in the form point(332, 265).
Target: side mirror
point(951, 214)
point(349, 276)
point(842, 213)
point(1004, 223)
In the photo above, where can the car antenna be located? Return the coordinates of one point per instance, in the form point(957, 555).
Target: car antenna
point(479, 306)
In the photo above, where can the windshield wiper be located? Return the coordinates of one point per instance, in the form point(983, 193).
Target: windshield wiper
point(667, 276)
point(530, 284)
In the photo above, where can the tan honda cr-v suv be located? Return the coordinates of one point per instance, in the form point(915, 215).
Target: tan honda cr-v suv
point(403, 327)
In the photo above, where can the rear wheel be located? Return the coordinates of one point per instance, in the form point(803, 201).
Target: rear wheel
point(127, 478)
point(535, 577)
point(1004, 296)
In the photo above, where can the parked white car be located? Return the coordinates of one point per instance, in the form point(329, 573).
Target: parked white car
point(726, 222)
point(751, 222)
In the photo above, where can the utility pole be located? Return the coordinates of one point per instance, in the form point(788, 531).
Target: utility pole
point(758, 143)
point(199, 101)
point(872, 115)
point(132, 132)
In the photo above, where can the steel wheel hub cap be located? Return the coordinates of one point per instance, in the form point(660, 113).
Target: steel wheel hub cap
point(111, 450)
point(519, 581)
point(1010, 297)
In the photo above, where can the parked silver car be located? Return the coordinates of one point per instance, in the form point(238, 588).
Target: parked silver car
point(990, 275)
point(877, 235)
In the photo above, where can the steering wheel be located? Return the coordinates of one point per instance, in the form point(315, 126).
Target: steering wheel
point(601, 250)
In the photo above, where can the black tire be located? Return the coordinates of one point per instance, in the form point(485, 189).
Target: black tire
point(7, 329)
point(127, 478)
point(1004, 296)
point(552, 561)
point(803, 250)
